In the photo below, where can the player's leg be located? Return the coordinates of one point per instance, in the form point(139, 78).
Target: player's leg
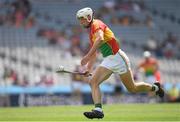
point(134, 87)
point(100, 74)
point(128, 80)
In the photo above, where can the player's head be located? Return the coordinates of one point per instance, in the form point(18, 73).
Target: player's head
point(146, 54)
point(85, 16)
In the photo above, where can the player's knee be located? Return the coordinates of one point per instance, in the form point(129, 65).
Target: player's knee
point(94, 83)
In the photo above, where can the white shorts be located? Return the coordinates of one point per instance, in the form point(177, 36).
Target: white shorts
point(118, 63)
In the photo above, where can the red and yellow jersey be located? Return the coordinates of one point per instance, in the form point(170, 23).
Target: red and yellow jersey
point(149, 66)
point(110, 45)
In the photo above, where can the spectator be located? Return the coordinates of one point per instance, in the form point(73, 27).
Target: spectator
point(150, 67)
point(109, 6)
point(22, 9)
point(22, 5)
point(151, 44)
point(173, 94)
point(136, 7)
point(125, 21)
point(10, 76)
point(30, 22)
point(114, 20)
point(149, 21)
point(169, 45)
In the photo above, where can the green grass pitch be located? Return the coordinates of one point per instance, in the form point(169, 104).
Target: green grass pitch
point(117, 112)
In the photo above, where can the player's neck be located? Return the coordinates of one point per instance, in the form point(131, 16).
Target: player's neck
point(90, 24)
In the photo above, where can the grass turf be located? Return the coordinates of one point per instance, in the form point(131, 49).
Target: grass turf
point(118, 112)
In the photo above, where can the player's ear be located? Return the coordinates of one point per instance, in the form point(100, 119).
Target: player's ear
point(89, 18)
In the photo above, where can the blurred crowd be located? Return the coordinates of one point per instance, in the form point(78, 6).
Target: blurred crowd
point(123, 13)
point(168, 48)
point(10, 77)
point(71, 38)
point(16, 13)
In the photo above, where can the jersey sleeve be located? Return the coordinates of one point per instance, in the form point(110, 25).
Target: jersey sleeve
point(141, 64)
point(98, 26)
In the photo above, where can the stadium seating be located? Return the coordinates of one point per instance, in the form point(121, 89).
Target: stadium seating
point(31, 56)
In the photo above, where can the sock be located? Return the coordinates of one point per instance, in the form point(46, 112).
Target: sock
point(98, 107)
point(155, 88)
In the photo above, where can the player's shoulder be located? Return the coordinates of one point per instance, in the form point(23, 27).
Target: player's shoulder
point(98, 24)
point(142, 62)
point(153, 60)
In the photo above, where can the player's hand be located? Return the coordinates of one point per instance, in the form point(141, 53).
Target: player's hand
point(84, 60)
point(87, 74)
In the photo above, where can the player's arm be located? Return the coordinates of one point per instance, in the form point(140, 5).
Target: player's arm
point(91, 62)
point(157, 65)
point(140, 67)
point(98, 41)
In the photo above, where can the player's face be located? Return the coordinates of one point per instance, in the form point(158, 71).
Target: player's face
point(147, 58)
point(83, 22)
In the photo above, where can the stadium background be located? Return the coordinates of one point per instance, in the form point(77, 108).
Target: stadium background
point(36, 36)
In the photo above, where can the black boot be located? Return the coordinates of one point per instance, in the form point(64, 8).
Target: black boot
point(94, 114)
point(160, 92)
